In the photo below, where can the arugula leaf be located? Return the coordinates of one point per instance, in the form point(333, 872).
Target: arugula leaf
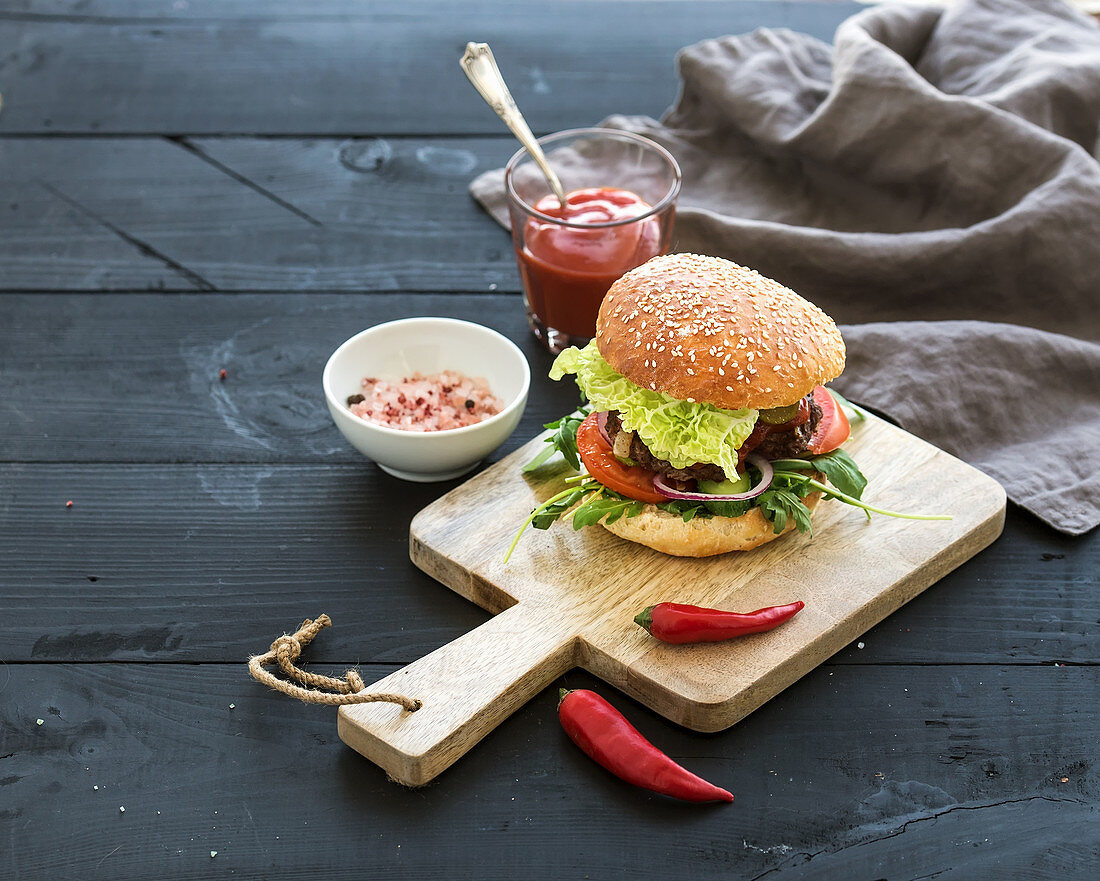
point(831, 493)
point(592, 511)
point(840, 469)
point(683, 508)
point(549, 515)
point(596, 509)
point(778, 505)
point(563, 440)
point(545, 506)
point(773, 510)
point(842, 472)
point(541, 458)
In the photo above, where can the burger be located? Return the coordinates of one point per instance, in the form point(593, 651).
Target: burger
point(707, 428)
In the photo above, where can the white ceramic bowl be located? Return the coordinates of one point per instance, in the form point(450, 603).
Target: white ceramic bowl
point(427, 345)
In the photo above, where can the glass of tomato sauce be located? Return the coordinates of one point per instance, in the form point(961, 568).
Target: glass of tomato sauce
point(621, 191)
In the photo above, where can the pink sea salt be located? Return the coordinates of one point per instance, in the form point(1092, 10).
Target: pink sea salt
point(425, 403)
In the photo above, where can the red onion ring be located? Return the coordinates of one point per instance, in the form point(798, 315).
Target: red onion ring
point(754, 459)
point(601, 424)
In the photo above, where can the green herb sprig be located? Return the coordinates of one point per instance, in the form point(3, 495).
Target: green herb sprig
point(794, 479)
point(847, 482)
point(563, 440)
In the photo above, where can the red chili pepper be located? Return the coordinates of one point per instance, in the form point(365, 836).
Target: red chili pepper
point(611, 741)
point(676, 623)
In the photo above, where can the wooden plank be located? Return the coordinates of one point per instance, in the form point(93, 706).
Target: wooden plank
point(364, 214)
point(1028, 598)
point(187, 563)
point(866, 773)
point(106, 364)
point(248, 214)
point(341, 68)
point(211, 562)
point(139, 374)
point(48, 243)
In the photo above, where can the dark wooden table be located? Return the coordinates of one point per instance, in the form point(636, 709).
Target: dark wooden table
point(192, 186)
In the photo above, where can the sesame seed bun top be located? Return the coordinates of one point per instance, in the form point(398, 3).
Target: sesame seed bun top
point(703, 329)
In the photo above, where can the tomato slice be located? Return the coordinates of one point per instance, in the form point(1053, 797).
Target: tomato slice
point(833, 429)
point(631, 481)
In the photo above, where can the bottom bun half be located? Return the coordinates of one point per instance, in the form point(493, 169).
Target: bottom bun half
point(700, 537)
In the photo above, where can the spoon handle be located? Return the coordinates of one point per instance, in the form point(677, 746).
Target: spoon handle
point(481, 69)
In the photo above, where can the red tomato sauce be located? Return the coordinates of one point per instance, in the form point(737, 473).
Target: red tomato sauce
point(566, 271)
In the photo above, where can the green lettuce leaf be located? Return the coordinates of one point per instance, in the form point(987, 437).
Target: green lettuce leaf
point(842, 472)
point(677, 431)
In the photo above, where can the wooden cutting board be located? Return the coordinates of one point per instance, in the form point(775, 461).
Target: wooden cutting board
point(568, 599)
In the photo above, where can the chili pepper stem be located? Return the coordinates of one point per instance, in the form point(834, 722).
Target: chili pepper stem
point(563, 693)
point(644, 619)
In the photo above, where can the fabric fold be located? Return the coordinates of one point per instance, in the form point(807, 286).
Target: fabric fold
point(929, 181)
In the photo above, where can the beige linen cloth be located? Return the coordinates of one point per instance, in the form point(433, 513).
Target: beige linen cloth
point(930, 181)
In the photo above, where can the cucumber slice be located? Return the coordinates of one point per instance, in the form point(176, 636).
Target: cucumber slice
point(725, 487)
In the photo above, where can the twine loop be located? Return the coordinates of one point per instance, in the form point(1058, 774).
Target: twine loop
point(316, 689)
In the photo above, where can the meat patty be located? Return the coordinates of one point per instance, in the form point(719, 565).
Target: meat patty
point(777, 445)
point(640, 453)
point(791, 444)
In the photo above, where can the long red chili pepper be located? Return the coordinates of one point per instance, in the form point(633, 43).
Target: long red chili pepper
point(677, 623)
point(610, 740)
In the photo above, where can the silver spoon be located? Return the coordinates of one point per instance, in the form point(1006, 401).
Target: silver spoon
point(481, 69)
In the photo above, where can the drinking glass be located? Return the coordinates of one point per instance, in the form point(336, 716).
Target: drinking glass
point(568, 262)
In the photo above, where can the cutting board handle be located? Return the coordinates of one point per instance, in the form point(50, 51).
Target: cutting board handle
point(467, 688)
